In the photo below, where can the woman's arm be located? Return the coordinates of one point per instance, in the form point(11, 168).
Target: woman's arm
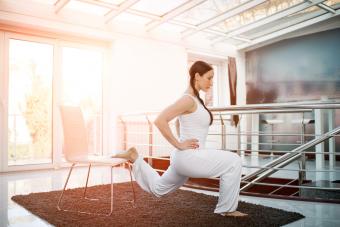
point(183, 105)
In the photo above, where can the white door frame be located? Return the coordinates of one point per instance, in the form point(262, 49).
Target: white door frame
point(57, 44)
point(4, 161)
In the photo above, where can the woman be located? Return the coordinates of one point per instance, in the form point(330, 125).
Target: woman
point(191, 159)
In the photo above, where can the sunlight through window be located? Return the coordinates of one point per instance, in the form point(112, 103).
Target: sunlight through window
point(82, 71)
point(30, 102)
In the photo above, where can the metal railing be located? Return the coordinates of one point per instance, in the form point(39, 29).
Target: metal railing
point(256, 144)
point(282, 161)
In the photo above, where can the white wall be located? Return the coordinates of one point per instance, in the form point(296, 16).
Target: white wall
point(145, 75)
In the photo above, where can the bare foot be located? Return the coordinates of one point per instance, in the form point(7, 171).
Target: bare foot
point(234, 214)
point(131, 154)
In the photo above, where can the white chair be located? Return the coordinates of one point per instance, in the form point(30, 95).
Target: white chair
point(76, 151)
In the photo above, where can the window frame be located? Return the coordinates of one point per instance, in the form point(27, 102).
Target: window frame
point(57, 44)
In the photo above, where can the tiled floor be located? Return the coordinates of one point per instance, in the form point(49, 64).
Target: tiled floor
point(11, 214)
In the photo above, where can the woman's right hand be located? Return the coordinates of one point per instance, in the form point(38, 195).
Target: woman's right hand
point(188, 144)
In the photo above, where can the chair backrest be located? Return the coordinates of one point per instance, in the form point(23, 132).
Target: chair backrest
point(75, 136)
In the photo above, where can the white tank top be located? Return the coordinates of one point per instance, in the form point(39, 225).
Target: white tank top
point(195, 125)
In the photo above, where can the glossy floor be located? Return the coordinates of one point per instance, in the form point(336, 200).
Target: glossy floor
point(329, 173)
point(11, 214)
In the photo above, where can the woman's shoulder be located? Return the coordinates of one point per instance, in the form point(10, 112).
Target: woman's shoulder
point(188, 101)
point(187, 98)
point(190, 96)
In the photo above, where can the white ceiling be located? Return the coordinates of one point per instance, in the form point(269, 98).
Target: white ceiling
point(242, 23)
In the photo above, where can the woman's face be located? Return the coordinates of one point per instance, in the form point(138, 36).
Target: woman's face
point(204, 82)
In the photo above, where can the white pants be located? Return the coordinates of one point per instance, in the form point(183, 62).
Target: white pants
point(199, 163)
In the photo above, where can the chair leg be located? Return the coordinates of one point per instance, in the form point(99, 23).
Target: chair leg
point(111, 192)
point(133, 189)
point(87, 180)
point(82, 212)
point(62, 193)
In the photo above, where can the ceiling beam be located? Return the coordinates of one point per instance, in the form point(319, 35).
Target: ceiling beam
point(326, 7)
point(177, 11)
point(122, 7)
point(214, 32)
point(289, 29)
point(138, 13)
point(269, 19)
point(59, 5)
point(223, 16)
point(156, 18)
point(241, 39)
point(100, 3)
point(116, 7)
point(287, 23)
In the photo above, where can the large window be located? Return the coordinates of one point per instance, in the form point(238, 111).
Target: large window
point(38, 75)
point(29, 102)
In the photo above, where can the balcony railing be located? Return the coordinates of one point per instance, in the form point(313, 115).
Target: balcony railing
point(288, 149)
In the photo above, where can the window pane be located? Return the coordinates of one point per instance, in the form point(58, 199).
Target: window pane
point(87, 8)
point(30, 103)
point(208, 10)
point(82, 86)
point(157, 8)
point(256, 13)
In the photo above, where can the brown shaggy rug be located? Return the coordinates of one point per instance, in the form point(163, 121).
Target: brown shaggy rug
point(181, 208)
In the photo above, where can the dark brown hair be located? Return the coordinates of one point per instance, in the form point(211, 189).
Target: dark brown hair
point(201, 68)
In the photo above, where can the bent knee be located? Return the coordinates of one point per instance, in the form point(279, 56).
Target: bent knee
point(157, 195)
point(234, 157)
point(156, 191)
point(237, 160)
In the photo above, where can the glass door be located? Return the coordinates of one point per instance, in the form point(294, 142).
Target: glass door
point(29, 119)
point(36, 76)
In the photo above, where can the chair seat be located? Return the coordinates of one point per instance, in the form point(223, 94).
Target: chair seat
point(76, 150)
point(94, 159)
